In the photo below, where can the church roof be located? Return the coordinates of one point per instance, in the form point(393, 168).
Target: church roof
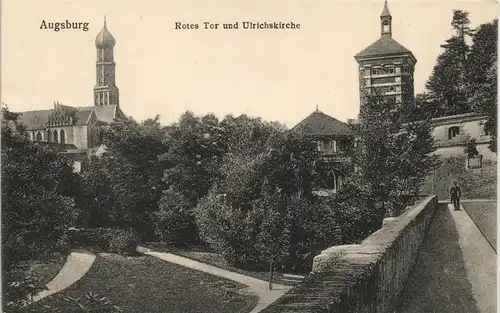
point(384, 46)
point(38, 119)
point(105, 113)
point(82, 117)
point(104, 39)
point(321, 124)
point(35, 119)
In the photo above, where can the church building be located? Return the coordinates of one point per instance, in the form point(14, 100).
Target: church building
point(77, 130)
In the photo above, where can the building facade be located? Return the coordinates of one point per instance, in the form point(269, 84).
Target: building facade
point(386, 67)
point(77, 130)
point(452, 133)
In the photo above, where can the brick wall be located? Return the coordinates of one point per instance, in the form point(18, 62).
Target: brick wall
point(365, 278)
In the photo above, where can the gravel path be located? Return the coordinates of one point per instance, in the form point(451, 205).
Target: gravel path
point(77, 264)
point(455, 269)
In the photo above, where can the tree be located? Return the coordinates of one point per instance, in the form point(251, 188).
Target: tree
point(392, 157)
point(126, 180)
point(262, 211)
point(470, 148)
point(482, 73)
point(195, 149)
point(448, 82)
point(38, 201)
point(174, 220)
point(482, 56)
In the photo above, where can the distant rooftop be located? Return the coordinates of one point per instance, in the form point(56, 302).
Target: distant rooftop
point(321, 124)
point(385, 45)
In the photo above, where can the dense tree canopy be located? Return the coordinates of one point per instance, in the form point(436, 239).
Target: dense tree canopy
point(483, 76)
point(392, 157)
point(38, 190)
point(126, 180)
point(448, 82)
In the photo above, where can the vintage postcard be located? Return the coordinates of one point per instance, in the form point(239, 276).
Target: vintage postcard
point(249, 156)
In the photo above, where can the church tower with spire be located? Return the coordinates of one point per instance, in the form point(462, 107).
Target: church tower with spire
point(105, 90)
point(386, 67)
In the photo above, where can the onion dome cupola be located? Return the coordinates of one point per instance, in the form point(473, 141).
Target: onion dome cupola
point(104, 39)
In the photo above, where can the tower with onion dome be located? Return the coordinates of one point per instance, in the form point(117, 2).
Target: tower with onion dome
point(105, 91)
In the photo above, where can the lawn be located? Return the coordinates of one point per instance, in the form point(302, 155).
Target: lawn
point(205, 255)
point(484, 216)
point(147, 284)
point(45, 269)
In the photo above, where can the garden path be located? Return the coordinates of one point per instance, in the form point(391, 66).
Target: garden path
point(255, 286)
point(77, 264)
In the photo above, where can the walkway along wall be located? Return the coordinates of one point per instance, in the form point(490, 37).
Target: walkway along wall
point(364, 278)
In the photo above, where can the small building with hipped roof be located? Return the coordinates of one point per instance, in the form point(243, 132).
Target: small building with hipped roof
point(332, 138)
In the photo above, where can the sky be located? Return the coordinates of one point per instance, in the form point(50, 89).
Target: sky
point(279, 75)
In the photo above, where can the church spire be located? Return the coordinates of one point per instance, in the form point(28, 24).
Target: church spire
point(385, 12)
point(386, 21)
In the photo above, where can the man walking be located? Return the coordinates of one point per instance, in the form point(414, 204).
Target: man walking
point(455, 193)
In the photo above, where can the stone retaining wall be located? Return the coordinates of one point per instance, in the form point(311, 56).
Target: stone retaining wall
point(364, 278)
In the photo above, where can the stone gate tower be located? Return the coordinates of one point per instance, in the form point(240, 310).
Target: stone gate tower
point(386, 66)
point(105, 90)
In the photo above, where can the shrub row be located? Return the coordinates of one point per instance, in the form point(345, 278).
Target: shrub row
point(23, 245)
point(112, 240)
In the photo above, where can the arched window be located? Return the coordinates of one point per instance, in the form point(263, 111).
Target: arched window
point(63, 137)
point(55, 136)
point(39, 136)
point(453, 132)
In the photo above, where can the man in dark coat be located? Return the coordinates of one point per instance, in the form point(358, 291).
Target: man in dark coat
point(455, 193)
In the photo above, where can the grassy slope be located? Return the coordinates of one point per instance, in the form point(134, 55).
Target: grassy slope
point(485, 217)
point(47, 268)
point(476, 183)
point(146, 284)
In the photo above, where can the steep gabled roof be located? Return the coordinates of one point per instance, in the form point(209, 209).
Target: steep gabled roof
point(105, 113)
point(82, 117)
point(320, 124)
point(35, 119)
point(383, 46)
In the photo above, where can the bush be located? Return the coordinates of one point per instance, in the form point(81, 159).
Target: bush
point(24, 245)
point(224, 228)
point(284, 229)
point(174, 221)
point(123, 241)
point(19, 285)
point(354, 213)
point(91, 302)
point(111, 240)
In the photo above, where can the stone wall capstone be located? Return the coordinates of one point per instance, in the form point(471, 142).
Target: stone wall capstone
point(364, 278)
